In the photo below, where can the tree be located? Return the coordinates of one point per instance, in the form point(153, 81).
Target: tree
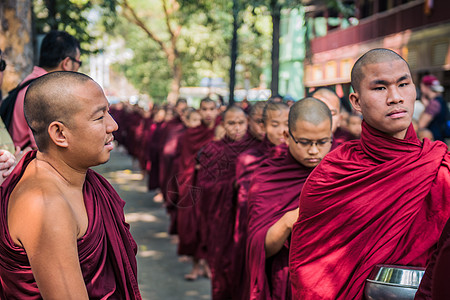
point(168, 44)
point(16, 40)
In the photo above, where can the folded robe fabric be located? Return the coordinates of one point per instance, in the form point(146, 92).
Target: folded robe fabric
point(192, 140)
point(167, 167)
point(107, 251)
point(216, 178)
point(378, 200)
point(246, 164)
point(274, 190)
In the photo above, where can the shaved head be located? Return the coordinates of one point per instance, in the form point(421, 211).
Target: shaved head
point(273, 106)
point(374, 56)
point(233, 109)
point(50, 98)
point(310, 110)
point(256, 108)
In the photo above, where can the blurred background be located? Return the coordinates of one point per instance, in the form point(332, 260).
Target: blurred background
point(150, 51)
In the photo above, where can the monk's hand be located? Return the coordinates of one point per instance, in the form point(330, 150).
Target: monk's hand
point(290, 218)
point(7, 163)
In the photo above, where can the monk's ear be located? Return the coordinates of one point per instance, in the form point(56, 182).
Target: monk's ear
point(355, 100)
point(58, 134)
point(66, 64)
point(286, 137)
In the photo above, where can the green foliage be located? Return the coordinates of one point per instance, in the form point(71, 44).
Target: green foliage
point(86, 20)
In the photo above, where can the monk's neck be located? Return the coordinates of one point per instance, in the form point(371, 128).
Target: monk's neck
point(72, 176)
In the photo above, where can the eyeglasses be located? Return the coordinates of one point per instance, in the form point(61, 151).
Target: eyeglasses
point(2, 62)
point(75, 60)
point(305, 143)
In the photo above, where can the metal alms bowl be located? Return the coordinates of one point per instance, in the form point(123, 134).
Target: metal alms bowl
point(393, 282)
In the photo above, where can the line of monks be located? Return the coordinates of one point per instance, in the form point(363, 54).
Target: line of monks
point(218, 174)
point(231, 182)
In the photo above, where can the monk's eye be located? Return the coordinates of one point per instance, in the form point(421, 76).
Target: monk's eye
point(304, 142)
point(379, 88)
point(403, 84)
point(323, 141)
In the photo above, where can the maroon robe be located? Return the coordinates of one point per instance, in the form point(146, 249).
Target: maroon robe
point(378, 200)
point(167, 170)
point(341, 136)
point(274, 191)
point(118, 116)
point(216, 178)
point(434, 283)
point(192, 140)
point(246, 165)
point(107, 251)
point(154, 151)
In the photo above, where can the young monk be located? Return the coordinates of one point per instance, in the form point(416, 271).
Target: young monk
point(273, 197)
point(216, 180)
point(64, 233)
point(193, 118)
point(255, 117)
point(192, 140)
point(167, 170)
point(331, 99)
point(382, 199)
point(275, 123)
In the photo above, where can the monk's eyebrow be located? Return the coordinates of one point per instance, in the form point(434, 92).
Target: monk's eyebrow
point(385, 82)
point(404, 77)
point(99, 109)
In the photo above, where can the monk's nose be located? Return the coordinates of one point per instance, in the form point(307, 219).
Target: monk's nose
point(394, 96)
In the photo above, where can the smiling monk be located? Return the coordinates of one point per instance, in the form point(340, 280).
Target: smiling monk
point(383, 199)
point(64, 234)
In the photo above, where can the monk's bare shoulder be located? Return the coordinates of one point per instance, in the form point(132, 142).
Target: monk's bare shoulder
point(37, 208)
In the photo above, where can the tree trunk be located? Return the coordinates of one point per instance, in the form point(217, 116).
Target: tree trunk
point(175, 85)
point(234, 52)
point(276, 16)
point(16, 40)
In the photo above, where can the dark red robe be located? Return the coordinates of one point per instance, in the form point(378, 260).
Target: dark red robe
point(167, 166)
point(154, 151)
point(377, 200)
point(186, 195)
point(216, 179)
point(107, 251)
point(434, 285)
point(246, 165)
point(274, 191)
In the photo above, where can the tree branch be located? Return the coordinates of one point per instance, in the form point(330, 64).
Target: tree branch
point(136, 20)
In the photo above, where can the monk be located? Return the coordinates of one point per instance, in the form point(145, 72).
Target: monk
point(382, 199)
point(64, 233)
point(331, 99)
point(273, 198)
point(255, 120)
point(186, 193)
point(216, 180)
point(275, 123)
point(170, 138)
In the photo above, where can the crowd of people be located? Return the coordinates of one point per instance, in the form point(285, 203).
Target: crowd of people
point(270, 200)
point(231, 179)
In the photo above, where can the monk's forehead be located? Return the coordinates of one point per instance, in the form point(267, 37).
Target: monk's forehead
point(207, 104)
point(377, 70)
point(233, 114)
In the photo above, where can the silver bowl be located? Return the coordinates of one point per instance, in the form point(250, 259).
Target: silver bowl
point(393, 282)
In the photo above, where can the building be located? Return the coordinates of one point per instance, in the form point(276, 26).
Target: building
point(419, 30)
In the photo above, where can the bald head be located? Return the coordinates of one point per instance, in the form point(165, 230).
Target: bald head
point(50, 98)
point(310, 110)
point(374, 56)
point(273, 106)
point(331, 99)
point(257, 108)
point(233, 109)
